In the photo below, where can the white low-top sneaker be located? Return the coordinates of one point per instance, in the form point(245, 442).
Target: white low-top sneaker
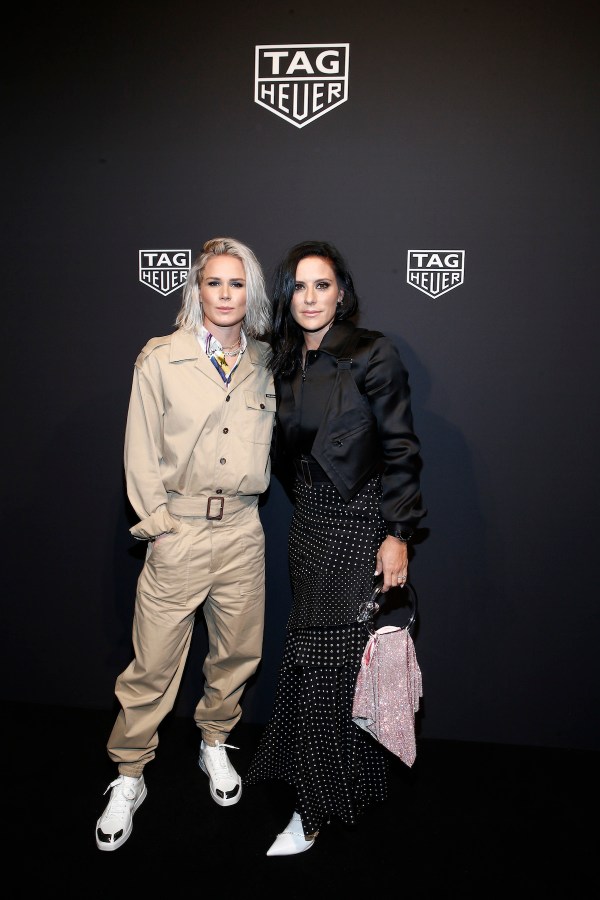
point(225, 783)
point(292, 839)
point(116, 822)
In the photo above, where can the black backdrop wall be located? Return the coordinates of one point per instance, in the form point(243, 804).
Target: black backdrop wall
point(468, 126)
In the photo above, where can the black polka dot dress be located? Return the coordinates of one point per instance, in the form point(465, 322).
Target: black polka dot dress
point(311, 742)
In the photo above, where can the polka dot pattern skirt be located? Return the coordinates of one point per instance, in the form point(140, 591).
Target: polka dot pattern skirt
point(311, 742)
point(332, 551)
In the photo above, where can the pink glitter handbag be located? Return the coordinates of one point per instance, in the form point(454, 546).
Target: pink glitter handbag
point(389, 684)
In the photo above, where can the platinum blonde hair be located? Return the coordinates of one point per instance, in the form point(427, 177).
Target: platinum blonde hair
point(257, 321)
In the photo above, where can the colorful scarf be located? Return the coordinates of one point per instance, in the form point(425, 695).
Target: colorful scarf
point(216, 354)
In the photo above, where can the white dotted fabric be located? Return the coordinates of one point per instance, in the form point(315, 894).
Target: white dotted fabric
point(332, 551)
point(311, 741)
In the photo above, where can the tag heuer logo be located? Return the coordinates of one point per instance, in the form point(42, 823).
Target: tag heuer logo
point(435, 272)
point(301, 82)
point(164, 270)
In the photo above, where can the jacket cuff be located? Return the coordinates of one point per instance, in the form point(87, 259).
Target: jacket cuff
point(394, 529)
point(159, 522)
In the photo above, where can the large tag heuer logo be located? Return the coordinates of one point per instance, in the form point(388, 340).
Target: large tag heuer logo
point(164, 270)
point(301, 82)
point(435, 272)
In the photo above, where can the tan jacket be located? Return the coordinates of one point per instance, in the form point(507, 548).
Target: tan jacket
point(189, 434)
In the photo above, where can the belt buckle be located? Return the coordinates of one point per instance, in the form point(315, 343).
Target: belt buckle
point(306, 472)
point(219, 514)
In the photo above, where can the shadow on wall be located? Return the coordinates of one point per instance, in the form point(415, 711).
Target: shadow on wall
point(461, 616)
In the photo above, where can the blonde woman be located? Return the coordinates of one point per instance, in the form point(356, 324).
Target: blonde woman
point(197, 445)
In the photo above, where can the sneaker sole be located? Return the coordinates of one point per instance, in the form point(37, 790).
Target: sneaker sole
point(119, 843)
point(222, 801)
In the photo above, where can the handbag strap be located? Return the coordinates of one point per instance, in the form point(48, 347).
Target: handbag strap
point(370, 608)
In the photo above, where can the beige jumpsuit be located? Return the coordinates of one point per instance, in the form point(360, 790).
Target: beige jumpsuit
point(196, 461)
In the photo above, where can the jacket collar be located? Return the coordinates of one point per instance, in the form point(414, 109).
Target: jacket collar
point(185, 345)
point(336, 338)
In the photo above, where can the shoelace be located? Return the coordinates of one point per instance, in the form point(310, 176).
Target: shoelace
point(221, 757)
point(118, 801)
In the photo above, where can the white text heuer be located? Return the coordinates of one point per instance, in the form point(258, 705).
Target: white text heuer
point(435, 271)
point(164, 270)
point(300, 82)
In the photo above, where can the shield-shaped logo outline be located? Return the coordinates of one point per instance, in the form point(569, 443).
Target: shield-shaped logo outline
point(182, 270)
point(453, 270)
point(258, 80)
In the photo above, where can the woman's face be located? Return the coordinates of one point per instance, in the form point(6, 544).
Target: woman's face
point(316, 295)
point(223, 292)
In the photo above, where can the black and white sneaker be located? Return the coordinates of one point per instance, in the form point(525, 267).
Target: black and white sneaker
point(225, 783)
point(116, 822)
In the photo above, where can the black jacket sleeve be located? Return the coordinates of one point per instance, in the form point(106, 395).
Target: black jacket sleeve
point(387, 387)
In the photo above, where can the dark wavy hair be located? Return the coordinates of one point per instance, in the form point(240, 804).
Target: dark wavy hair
point(286, 335)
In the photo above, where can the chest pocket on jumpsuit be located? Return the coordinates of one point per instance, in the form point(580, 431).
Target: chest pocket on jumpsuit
point(261, 413)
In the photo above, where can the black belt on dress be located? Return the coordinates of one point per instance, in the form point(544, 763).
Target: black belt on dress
point(309, 471)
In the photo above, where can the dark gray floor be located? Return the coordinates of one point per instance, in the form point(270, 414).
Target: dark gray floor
point(468, 820)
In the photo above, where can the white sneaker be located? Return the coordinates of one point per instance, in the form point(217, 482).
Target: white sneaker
point(116, 822)
point(225, 783)
point(292, 839)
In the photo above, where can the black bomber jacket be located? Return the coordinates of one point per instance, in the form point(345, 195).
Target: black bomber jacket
point(367, 426)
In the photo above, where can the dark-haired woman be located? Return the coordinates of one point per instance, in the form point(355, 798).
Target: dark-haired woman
point(345, 441)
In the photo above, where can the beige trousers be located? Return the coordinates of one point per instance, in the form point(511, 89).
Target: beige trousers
point(218, 564)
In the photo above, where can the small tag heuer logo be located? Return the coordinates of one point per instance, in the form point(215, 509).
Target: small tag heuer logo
point(301, 82)
point(164, 270)
point(435, 272)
